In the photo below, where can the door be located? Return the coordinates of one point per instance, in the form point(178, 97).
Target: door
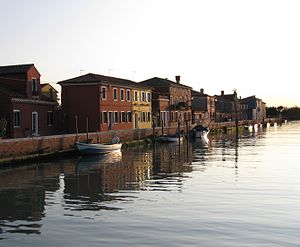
point(35, 123)
point(136, 120)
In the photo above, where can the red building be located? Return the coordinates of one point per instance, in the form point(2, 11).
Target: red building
point(98, 102)
point(22, 106)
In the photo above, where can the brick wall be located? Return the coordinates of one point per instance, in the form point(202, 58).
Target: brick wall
point(14, 148)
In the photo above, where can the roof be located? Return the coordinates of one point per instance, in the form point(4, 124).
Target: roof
point(250, 97)
point(95, 78)
point(15, 69)
point(11, 93)
point(48, 84)
point(226, 97)
point(199, 94)
point(159, 82)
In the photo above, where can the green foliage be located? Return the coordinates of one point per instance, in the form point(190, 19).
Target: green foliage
point(272, 112)
point(292, 113)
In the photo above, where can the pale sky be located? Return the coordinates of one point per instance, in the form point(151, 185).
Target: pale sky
point(252, 46)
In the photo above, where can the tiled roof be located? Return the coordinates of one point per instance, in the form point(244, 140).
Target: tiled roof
point(94, 78)
point(159, 82)
point(11, 93)
point(15, 69)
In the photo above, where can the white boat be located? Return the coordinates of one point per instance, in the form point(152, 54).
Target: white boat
point(248, 127)
point(170, 138)
point(201, 132)
point(97, 148)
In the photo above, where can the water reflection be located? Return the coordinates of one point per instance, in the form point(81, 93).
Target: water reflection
point(87, 183)
point(95, 183)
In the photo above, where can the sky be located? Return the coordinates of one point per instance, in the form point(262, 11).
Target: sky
point(251, 46)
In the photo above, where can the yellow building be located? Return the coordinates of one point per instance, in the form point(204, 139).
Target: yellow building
point(49, 91)
point(141, 108)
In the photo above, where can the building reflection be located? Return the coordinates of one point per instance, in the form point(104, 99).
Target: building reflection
point(87, 183)
point(23, 194)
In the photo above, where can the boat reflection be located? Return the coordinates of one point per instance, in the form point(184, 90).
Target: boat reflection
point(90, 162)
point(92, 183)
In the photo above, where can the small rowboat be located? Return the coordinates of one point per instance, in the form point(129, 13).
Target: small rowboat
point(90, 148)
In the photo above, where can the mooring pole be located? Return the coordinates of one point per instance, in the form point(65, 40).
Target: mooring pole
point(87, 129)
point(76, 128)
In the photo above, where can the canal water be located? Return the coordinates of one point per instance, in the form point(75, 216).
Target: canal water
point(221, 193)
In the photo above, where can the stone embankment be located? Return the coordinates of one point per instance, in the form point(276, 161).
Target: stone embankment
point(16, 150)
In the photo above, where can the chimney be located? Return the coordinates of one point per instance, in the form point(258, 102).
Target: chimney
point(201, 90)
point(177, 78)
point(222, 93)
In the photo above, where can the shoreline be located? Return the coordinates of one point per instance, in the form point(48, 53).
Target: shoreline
point(14, 152)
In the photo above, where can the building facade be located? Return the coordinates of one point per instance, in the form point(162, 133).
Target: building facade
point(141, 107)
point(22, 104)
point(95, 102)
point(203, 107)
point(171, 101)
point(256, 108)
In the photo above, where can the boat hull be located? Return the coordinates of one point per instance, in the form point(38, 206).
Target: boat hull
point(87, 148)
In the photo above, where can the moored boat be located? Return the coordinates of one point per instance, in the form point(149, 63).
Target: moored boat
point(200, 132)
point(97, 148)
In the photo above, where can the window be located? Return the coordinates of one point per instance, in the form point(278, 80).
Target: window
point(104, 93)
point(149, 117)
point(50, 118)
point(129, 116)
point(143, 96)
point(171, 100)
point(128, 98)
point(149, 97)
point(123, 117)
point(144, 117)
point(115, 94)
point(116, 117)
point(136, 96)
point(122, 96)
point(104, 117)
point(34, 84)
point(16, 118)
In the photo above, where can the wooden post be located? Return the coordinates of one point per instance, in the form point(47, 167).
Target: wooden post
point(153, 130)
point(76, 128)
point(87, 129)
point(179, 132)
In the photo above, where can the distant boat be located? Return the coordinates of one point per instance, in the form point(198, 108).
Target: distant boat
point(97, 148)
point(200, 132)
point(170, 138)
point(248, 127)
point(266, 125)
